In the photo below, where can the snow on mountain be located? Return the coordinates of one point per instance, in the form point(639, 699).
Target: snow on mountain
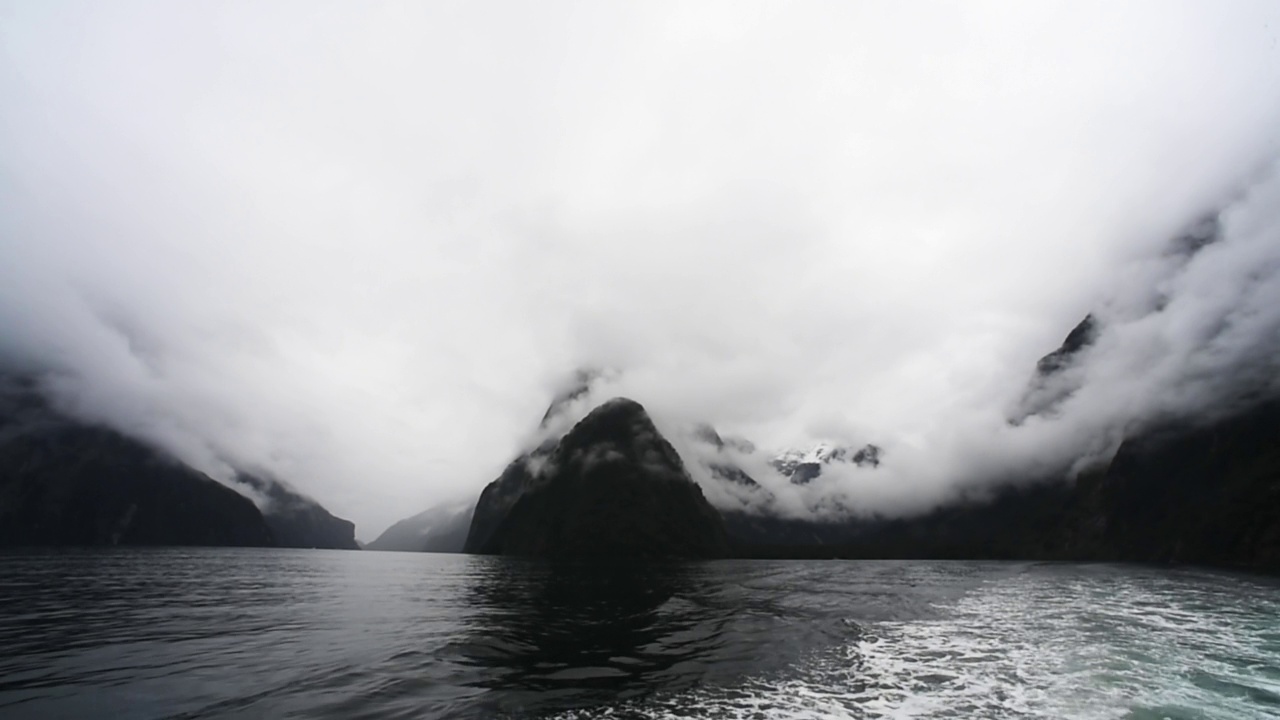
point(802, 466)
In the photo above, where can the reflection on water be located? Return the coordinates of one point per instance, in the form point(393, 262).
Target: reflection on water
point(268, 633)
point(538, 625)
point(583, 634)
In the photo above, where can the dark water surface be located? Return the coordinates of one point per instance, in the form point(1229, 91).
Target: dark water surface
point(184, 633)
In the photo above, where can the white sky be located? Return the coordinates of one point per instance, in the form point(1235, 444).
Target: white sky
point(360, 244)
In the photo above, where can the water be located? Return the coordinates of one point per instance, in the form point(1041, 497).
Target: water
point(312, 634)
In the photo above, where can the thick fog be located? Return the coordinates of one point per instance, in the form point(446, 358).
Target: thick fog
point(362, 245)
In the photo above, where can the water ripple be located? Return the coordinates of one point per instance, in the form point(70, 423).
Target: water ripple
point(312, 634)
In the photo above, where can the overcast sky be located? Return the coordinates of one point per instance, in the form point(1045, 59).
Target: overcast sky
point(360, 245)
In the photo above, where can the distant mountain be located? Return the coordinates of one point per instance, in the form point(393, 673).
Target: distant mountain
point(66, 482)
point(800, 466)
point(298, 521)
point(613, 487)
point(441, 529)
point(721, 463)
point(804, 466)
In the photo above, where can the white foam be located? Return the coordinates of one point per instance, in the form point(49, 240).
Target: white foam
point(1035, 645)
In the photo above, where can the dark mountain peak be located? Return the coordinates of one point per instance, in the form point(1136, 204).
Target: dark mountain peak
point(618, 407)
point(612, 487)
point(1081, 337)
point(620, 425)
point(1052, 383)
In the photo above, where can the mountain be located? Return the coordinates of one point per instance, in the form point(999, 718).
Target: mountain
point(441, 529)
point(1201, 490)
point(1057, 375)
point(1188, 493)
point(67, 482)
point(805, 466)
point(799, 466)
point(499, 497)
point(1193, 491)
point(445, 528)
point(1060, 374)
point(1206, 494)
point(612, 487)
point(720, 462)
point(297, 521)
point(63, 482)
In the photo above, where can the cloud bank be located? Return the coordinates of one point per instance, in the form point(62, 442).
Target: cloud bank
point(360, 246)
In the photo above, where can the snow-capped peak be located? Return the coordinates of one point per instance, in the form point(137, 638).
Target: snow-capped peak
point(804, 465)
point(822, 452)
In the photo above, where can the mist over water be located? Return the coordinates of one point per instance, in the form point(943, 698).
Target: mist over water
point(267, 633)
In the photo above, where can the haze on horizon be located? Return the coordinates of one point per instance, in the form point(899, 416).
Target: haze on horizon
point(360, 246)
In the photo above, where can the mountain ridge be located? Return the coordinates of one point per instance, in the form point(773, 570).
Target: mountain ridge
point(68, 482)
point(612, 487)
